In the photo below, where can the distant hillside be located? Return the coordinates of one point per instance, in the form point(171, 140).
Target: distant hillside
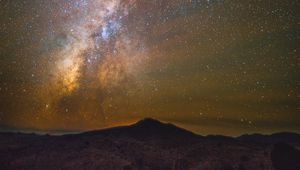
point(148, 144)
point(286, 137)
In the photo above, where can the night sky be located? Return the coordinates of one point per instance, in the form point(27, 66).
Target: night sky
point(210, 66)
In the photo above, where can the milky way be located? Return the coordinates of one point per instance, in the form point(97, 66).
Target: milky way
point(218, 66)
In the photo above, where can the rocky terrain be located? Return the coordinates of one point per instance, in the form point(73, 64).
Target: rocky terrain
point(150, 145)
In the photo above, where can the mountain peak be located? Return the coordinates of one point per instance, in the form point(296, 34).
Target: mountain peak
point(147, 128)
point(149, 122)
point(150, 126)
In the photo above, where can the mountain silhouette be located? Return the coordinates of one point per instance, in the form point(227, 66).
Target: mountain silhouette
point(286, 137)
point(147, 144)
point(147, 128)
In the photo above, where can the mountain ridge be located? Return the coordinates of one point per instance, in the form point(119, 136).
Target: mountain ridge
point(148, 144)
point(151, 126)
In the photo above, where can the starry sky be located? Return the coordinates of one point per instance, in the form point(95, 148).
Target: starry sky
point(211, 66)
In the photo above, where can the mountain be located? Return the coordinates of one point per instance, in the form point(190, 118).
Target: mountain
point(145, 129)
point(148, 144)
point(285, 137)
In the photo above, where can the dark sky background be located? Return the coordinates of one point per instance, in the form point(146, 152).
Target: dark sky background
point(210, 66)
